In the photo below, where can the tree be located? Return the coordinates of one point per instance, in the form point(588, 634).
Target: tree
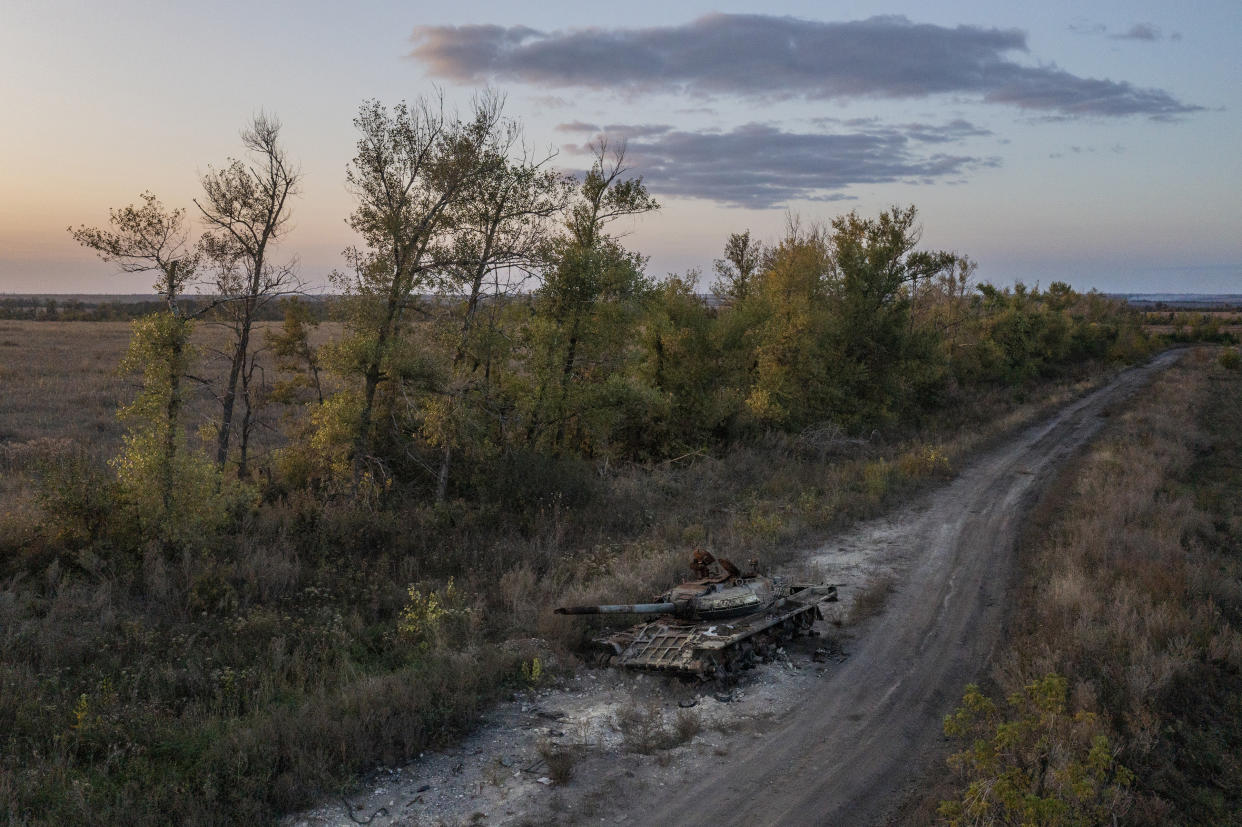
point(592, 287)
point(893, 365)
point(294, 352)
point(246, 207)
point(146, 239)
point(795, 377)
point(413, 166)
point(735, 272)
point(173, 491)
point(500, 224)
point(681, 363)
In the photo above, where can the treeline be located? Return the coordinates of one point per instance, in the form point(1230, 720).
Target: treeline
point(845, 324)
point(50, 309)
point(493, 318)
point(1190, 327)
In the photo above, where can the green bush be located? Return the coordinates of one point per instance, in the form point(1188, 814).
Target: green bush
point(1033, 763)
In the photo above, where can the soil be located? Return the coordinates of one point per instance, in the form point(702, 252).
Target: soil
point(837, 729)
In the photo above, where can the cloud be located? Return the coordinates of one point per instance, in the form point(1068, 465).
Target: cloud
point(1087, 27)
point(955, 130)
point(1139, 31)
point(767, 57)
point(616, 130)
point(761, 166)
point(551, 101)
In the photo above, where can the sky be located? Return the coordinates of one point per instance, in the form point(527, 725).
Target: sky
point(1094, 143)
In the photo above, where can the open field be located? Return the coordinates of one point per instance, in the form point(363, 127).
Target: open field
point(60, 389)
point(1193, 325)
point(60, 379)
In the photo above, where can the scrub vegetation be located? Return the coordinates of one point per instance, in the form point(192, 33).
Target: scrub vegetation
point(1122, 669)
point(307, 549)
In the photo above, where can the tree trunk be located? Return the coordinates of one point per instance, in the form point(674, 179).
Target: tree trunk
point(472, 307)
point(172, 411)
point(240, 352)
point(247, 424)
point(173, 415)
point(565, 374)
point(443, 478)
point(372, 375)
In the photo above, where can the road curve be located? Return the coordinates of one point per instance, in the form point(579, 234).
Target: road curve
point(847, 753)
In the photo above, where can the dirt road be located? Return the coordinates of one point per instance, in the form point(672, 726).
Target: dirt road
point(845, 754)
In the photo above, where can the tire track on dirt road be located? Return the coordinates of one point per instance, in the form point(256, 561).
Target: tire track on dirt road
point(846, 754)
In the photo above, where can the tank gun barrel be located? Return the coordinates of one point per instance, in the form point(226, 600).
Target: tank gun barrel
point(626, 608)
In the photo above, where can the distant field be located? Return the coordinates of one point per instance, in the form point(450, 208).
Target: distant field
point(86, 298)
point(59, 381)
point(1170, 323)
point(59, 387)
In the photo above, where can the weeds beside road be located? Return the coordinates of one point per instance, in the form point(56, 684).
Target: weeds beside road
point(1132, 591)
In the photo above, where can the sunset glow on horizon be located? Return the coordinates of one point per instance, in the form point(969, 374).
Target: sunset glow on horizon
point(1096, 148)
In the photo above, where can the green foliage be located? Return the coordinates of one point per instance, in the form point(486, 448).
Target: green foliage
point(296, 355)
point(827, 325)
point(1020, 334)
point(413, 168)
point(78, 499)
point(1033, 763)
point(891, 366)
point(1230, 359)
point(680, 367)
point(173, 493)
point(924, 461)
point(793, 364)
point(735, 273)
point(578, 337)
point(532, 671)
point(440, 617)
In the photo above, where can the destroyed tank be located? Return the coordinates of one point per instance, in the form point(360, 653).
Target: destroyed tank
point(713, 626)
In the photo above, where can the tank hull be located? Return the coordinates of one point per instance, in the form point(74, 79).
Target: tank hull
point(708, 648)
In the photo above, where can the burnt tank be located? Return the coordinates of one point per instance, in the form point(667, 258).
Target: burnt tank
point(713, 626)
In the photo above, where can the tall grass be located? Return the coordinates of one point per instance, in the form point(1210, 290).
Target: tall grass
point(1132, 590)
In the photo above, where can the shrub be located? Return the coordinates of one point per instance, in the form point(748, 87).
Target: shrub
point(645, 731)
point(76, 497)
point(925, 461)
point(1034, 763)
point(560, 759)
point(435, 617)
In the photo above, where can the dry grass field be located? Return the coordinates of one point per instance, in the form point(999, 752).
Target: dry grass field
point(60, 390)
point(1132, 593)
point(58, 381)
point(1192, 325)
